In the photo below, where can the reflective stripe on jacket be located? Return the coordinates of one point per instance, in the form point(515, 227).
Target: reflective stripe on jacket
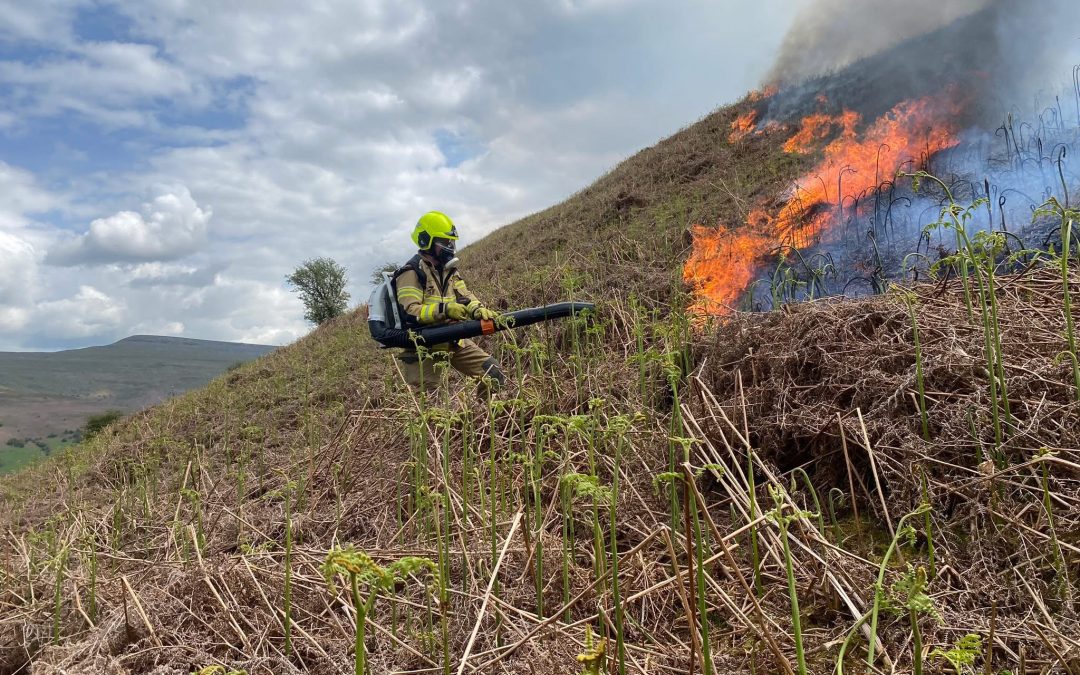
point(427, 305)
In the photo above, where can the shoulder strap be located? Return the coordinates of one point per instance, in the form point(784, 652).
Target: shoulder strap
point(405, 320)
point(415, 266)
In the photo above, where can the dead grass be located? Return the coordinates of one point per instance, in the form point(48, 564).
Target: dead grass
point(822, 373)
point(809, 364)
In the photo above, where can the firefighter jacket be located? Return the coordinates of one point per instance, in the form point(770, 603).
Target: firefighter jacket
point(423, 292)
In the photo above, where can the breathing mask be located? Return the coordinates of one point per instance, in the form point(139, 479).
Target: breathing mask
point(444, 251)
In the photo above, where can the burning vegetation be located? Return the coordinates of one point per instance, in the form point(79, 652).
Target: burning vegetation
point(742, 126)
point(856, 159)
point(948, 101)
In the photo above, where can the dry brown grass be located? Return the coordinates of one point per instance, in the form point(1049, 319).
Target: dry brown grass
point(821, 373)
point(809, 363)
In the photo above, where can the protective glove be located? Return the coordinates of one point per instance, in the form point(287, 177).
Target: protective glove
point(457, 311)
point(485, 314)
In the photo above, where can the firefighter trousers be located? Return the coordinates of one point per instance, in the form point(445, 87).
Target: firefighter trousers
point(464, 356)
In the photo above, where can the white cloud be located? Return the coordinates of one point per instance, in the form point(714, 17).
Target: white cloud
point(20, 196)
point(574, 6)
point(21, 246)
point(12, 319)
point(148, 275)
point(158, 327)
point(18, 260)
point(88, 313)
point(170, 227)
point(37, 21)
point(100, 80)
point(237, 309)
point(265, 39)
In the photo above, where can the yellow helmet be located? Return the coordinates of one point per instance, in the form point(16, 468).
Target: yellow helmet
point(431, 226)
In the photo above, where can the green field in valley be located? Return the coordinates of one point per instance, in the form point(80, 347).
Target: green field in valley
point(46, 397)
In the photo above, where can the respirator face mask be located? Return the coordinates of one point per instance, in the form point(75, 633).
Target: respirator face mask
point(445, 253)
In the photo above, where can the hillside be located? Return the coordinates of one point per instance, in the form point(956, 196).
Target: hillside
point(46, 396)
point(629, 230)
point(899, 469)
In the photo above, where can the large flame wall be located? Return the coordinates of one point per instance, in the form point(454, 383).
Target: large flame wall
point(856, 158)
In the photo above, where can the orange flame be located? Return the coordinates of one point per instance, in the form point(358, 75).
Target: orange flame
point(724, 260)
point(742, 126)
point(816, 128)
point(721, 266)
point(762, 94)
point(855, 163)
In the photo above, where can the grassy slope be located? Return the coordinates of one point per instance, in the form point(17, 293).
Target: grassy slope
point(13, 459)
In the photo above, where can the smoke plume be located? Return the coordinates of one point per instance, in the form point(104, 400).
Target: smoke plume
point(831, 34)
point(1025, 46)
point(1002, 55)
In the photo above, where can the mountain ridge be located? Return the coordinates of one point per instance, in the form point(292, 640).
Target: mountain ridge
point(149, 339)
point(46, 396)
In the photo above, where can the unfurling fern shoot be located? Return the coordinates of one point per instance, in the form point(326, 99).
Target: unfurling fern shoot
point(361, 569)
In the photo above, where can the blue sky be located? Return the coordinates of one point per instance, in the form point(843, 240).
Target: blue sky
point(164, 165)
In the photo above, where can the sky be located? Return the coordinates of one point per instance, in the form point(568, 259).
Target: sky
point(165, 164)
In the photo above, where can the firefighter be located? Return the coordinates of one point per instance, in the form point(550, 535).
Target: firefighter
point(431, 292)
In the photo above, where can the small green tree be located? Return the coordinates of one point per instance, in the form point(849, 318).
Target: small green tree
point(377, 273)
point(321, 284)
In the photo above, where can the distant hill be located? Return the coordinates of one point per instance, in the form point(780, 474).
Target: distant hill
point(45, 397)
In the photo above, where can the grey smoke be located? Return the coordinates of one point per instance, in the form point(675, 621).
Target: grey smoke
point(1024, 46)
point(831, 34)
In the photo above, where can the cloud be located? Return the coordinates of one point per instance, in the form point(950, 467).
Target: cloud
point(155, 274)
point(18, 260)
point(573, 6)
point(158, 327)
point(12, 319)
point(172, 226)
point(267, 39)
point(37, 21)
point(238, 308)
point(88, 313)
point(21, 196)
point(102, 81)
point(22, 243)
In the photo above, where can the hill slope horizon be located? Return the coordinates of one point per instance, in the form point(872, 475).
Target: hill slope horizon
point(45, 397)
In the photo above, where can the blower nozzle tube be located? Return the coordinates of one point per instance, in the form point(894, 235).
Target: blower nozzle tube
point(469, 329)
